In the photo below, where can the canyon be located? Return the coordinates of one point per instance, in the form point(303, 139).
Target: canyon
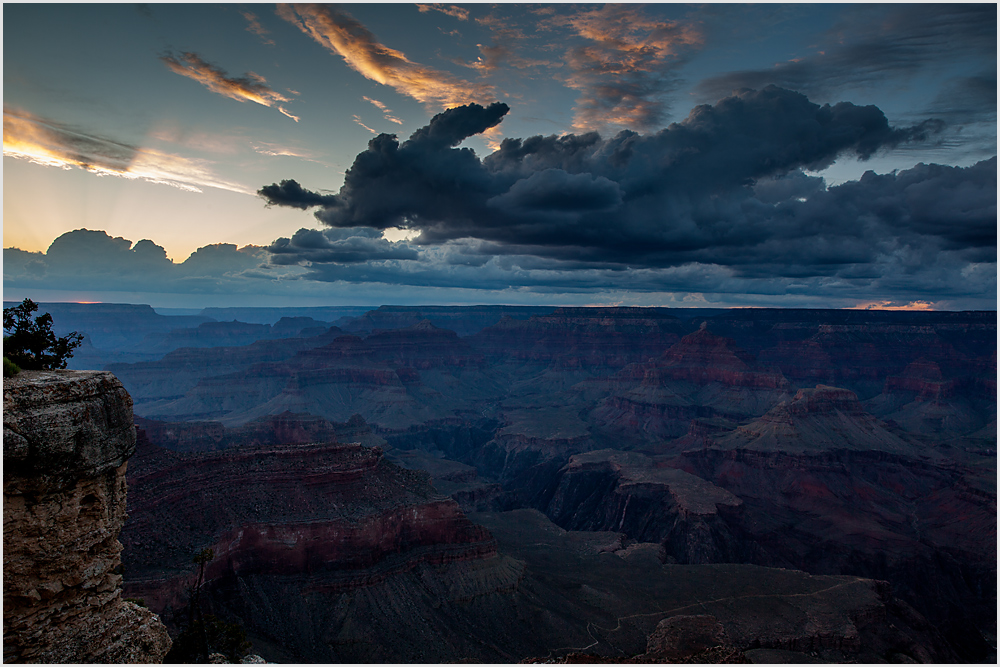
point(577, 475)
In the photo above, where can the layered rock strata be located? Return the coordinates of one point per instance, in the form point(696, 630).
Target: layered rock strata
point(67, 436)
point(622, 491)
point(701, 376)
point(828, 488)
point(331, 517)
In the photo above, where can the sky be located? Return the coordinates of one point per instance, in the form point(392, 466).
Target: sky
point(780, 155)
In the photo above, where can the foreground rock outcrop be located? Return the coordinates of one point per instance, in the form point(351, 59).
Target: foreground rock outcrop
point(67, 436)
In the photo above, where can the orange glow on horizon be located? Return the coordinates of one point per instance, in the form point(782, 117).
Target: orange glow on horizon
point(892, 305)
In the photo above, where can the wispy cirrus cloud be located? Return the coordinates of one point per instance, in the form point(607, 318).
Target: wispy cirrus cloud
point(623, 70)
point(277, 150)
point(874, 44)
point(52, 144)
point(386, 111)
point(345, 36)
point(256, 28)
point(508, 40)
point(460, 13)
point(357, 119)
point(250, 87)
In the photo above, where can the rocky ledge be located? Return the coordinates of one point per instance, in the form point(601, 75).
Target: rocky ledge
point(67, 436)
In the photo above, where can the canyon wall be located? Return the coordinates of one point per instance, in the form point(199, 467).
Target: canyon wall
point(67, 436)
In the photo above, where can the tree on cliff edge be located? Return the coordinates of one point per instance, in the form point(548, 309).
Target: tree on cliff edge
point(30, 343)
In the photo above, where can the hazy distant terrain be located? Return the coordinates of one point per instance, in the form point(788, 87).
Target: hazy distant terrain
point(847, 443)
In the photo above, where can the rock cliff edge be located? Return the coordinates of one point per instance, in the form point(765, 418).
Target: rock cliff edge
point(66, 438)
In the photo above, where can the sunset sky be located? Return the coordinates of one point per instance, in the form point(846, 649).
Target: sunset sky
point(676, 155)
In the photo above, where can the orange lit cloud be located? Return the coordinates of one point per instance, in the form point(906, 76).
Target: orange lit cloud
point(460, 13)
point(623, 70)
point(386, 111)
point(342, 34)
point(247, 88)
point(893, 305)
point(357, 119)
point(44, 142)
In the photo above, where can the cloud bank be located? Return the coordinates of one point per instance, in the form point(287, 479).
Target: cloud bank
point(721, 202)
point(722, 208)
point(93, 260)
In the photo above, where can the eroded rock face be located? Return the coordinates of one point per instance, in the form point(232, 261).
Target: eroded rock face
point(67, 435)
point(295, 526)
point(622, 491)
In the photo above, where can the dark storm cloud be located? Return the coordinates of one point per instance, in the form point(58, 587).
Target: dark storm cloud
point(290, 193)
point(453, 126)
point(558, 191)
point(345, 246)
point(874, 44)
point(719, 203)
point(386, 180)
point(682, 194)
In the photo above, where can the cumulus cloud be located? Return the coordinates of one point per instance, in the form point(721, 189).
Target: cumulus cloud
point(290, 193)
point(654, 199)
point(345, 36)
point(626, 66)
point(53, 144)
point(94, 260)
point(427, 167)
point(250, 87)
point(343, 246)
point(719, 202)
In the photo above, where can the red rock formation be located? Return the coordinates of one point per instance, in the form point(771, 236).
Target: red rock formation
point(184, 436)
point(623, 491)
point(338, 511)
point(842, 354)
point(703, 375)
point(594, 339)
point(830, 488)
point(67, 435)
point(703, 357)
point(923, 377)
point(817, 420)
